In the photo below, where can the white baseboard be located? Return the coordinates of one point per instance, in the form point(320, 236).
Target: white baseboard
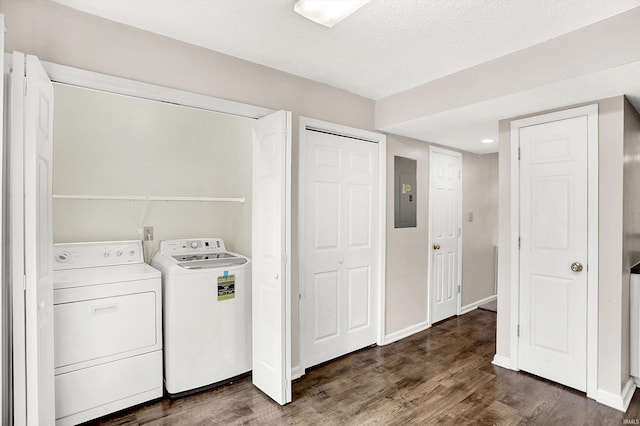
point(502, 361)
point(468, 308)
point(471, 306)
point(619, 402)
point(297, 372)
point(406, 332)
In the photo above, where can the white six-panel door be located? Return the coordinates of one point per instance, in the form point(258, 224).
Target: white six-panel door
point(339, 246)
point(445, 231)
point(271, 245)
point(553, 254)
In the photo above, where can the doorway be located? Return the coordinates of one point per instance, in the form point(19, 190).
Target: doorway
point(37, 395)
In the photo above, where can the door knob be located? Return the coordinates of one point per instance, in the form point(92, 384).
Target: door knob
point(436, 246)
point(576, 267)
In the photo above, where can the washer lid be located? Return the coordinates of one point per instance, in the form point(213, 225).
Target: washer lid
point(205, 262)
point(69, 278)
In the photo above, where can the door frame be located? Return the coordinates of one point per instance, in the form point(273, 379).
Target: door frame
point(591, 112)
point(436, 149)
point(306, 123)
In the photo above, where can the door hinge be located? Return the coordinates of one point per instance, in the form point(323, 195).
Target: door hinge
point(459, 232)
point(459, 289)
point(518, 243)
point(518, 153)
point(24, 282)
point(518, 331)
point(284, 258)
point(459, 174)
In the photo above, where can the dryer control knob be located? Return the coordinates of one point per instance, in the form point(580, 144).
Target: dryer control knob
point(106, 253)
point(63, 257)
point(194, 244)
point(118, 252)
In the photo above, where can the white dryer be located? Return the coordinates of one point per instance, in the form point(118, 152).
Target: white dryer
point(207, 313)
point(107, 329)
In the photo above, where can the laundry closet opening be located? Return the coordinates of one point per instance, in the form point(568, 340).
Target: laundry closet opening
point(122, 163)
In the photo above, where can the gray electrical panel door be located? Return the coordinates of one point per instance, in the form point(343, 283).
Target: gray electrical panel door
point(404, 192)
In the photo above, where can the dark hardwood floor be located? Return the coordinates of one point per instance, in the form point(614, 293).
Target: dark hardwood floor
point(443, 375)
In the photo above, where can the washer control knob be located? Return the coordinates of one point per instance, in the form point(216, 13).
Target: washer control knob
point(132, 252)
point(194, 244)
point(106, 253)
point(118, 252)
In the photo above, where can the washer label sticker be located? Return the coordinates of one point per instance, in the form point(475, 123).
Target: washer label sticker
point(226, 287)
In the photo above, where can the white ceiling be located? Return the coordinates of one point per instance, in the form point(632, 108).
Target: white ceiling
point(386, 47)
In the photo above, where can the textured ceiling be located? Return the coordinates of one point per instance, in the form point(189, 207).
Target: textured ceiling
point(391, 46)
point(386, 47)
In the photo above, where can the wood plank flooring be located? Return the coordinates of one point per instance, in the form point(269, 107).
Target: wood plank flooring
point(443, 375)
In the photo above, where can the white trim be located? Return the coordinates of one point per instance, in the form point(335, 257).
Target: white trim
point(16, 239)
point(514, 243)
point(619, 402)
point(503, 361)
point(468, 308)
point(433, 149)
point(473, 306)
point(405, 332)
point(306, 123)
point(592, 249)
point(297, 372)
point(382, 236)
point(4, 289)
point(148, 198)
point(591, 111)
point(107, 83)
point(63, 74)
point(287, 231)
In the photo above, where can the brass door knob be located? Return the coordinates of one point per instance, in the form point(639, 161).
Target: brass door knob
point(436, 246)
point(576, 267)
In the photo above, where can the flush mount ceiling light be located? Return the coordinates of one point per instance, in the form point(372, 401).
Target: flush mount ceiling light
point(327, 12)
point(487, 141)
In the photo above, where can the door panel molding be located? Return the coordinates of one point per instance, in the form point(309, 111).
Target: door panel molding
point(310, 124)
point(591, 112)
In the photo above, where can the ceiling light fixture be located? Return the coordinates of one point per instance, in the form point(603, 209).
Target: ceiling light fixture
point(487, 141)
point(327, 12)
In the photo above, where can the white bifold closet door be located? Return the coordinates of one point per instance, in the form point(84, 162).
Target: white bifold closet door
point(271, 245)
point(31, 238)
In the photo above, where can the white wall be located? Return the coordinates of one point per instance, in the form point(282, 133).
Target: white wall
point(106, 144)
point(480, 232)
point(407, 248)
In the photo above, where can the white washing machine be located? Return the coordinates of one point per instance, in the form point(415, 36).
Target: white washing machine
point(207, 313)
point(107, 329)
